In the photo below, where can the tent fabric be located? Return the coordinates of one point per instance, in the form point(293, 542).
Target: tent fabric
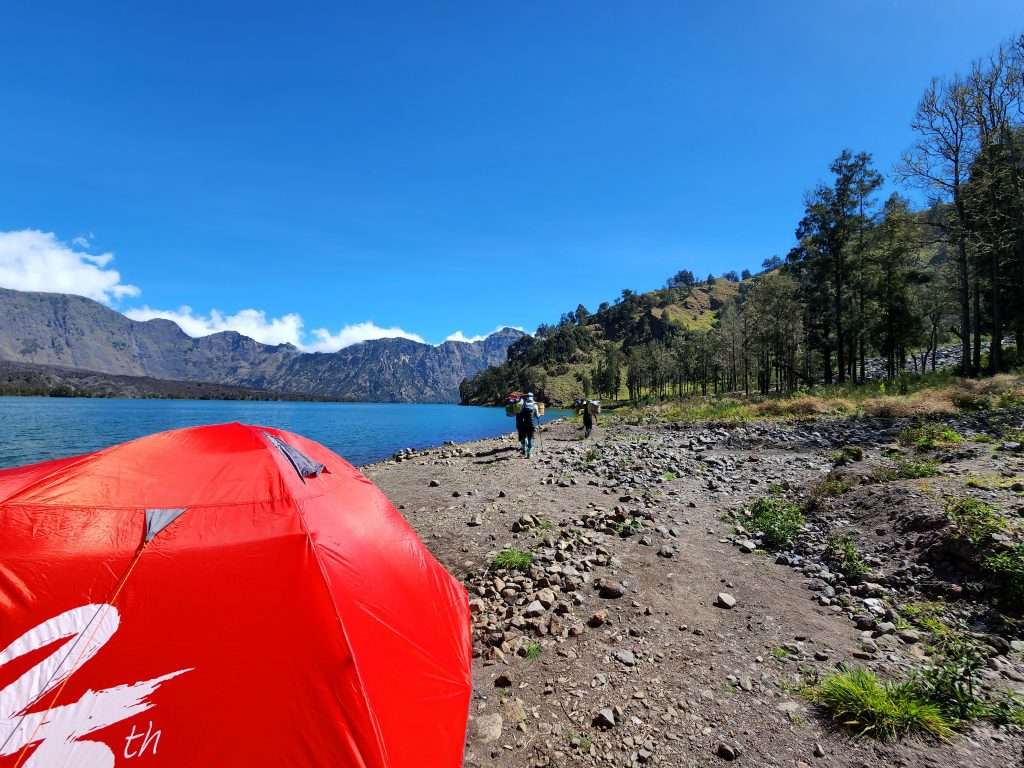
point(191, 600)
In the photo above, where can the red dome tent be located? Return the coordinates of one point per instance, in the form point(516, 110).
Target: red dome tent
point(222, 596)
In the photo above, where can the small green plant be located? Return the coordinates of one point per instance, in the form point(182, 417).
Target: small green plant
point(952, 682)
point(1007, 710)
point(513, 560)
point(832, 486)
point(779, 652)
point(978, 522)
point(774, 489)
point(545, 524)
point(779, 520)
point(904, 469)
point(668, 477)
point(533, 650)
point(844, 555)
point(627, 527)
point(859, 700)
point(1006, 569)
point(592, 456)
point(930, 437)
point(579, 741)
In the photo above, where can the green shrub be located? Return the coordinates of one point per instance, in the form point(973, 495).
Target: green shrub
point(857, 699)
point(844, 555)
point(978, 522)
point(1007, 710)
point(1006, 569)
point(952, 682)
point(778, 520)
point(533, 650)
point(512, 560)
point(929, 437)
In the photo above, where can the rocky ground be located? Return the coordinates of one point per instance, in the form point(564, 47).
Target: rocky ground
point(652, 627)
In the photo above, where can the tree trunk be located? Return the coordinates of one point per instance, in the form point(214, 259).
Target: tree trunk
point(995, 350)
point(963, 288)
point(976, 326)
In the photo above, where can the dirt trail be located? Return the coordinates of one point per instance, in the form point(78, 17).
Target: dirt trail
point(662, 675)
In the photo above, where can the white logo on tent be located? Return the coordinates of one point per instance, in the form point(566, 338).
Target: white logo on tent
point(58, 730)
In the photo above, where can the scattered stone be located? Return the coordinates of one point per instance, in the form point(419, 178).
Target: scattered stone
point(727, 751)
point(610, 589)
point(488, 728)
point(533, 610)
point(725, 600)
point(625, 657)
point(605, 718)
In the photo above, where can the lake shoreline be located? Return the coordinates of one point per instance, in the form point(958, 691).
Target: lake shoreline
point(42, 428)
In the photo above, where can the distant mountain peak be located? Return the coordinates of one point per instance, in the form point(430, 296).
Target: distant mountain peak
point(75, 332)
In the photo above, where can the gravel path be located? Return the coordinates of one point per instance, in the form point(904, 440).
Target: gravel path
point(617, 645)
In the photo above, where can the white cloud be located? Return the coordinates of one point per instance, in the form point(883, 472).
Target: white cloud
point(460, 336)
point(287, 329)
point(325, 341)
point(31, 260)
point(253, 323)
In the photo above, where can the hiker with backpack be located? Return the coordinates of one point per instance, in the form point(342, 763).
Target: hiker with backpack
point(588, 420)
point(526, 421)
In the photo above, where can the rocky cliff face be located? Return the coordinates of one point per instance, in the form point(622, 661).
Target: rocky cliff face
point(74, 332)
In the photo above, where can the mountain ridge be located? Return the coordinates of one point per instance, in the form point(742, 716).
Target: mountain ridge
point(64, 330)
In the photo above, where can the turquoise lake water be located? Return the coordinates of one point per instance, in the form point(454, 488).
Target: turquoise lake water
point(41, 428)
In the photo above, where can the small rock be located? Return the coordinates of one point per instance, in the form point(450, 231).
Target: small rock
point(533, 610)
point(598, 618)
point(625, 657)
point(727, 751)
point(909, 636)
point(611, 589)
point(434, 484)
point(503, 681)
point(725, 600)
point(605, 718)
point(488, 728)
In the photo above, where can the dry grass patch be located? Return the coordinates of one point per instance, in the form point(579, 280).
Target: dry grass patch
point(805, 405)
point(923, 403)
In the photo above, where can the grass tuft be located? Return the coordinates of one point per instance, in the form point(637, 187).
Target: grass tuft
point(930, 437)
point(904, 469)
point(858, 700)
point(513, 560)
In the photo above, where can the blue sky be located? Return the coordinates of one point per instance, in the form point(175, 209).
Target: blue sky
point(435, 167)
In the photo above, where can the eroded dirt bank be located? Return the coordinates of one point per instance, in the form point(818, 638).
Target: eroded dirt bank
point(617, 645)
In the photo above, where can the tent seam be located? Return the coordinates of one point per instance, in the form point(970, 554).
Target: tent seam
point(381, 747)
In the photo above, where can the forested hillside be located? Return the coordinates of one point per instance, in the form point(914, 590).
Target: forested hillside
point(867, 276)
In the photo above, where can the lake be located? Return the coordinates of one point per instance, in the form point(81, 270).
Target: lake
point(41, 428)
